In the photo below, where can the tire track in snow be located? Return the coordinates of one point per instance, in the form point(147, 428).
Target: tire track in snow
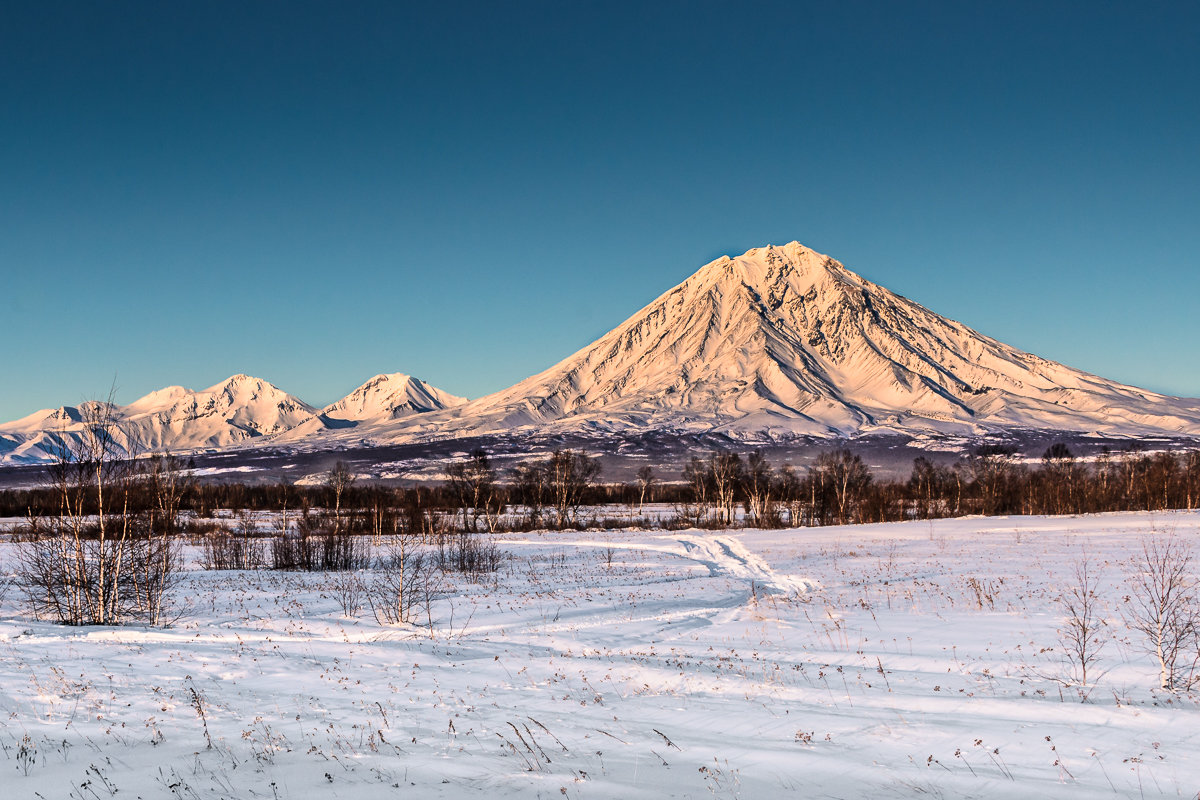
point(726, 555)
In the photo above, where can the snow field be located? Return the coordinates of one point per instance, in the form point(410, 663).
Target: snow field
point(878, 660)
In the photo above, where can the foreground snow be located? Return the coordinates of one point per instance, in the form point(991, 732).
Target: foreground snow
point(882, 661)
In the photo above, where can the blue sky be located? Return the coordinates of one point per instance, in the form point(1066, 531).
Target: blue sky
point(316, 192)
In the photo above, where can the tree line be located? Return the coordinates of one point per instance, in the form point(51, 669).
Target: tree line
point(564, 489)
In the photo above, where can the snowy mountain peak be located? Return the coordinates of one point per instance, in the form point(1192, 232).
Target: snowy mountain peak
point(159, 399)
point(390, 396)
point(239, 409)
point(774, 270)
point(238, 382)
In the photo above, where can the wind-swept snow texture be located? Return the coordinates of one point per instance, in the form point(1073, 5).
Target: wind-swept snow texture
point(784, 340)
point(884, 661)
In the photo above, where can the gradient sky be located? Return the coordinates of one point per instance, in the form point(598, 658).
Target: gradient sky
point(317, 192)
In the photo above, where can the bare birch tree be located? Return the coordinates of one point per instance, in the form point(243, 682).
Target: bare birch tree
point(1163, 608)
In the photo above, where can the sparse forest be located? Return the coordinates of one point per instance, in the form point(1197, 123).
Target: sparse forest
point(565, 489)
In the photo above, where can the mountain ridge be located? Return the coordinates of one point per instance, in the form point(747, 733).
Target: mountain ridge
point(779, 342)
point(233, 412)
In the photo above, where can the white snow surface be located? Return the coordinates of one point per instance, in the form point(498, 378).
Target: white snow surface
point(899, 660)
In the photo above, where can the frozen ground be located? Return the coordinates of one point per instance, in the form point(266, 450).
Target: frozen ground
point(870, 661)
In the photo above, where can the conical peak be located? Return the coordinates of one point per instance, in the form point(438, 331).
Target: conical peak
point(762, 268)
point(384, 379)
point(237, 382)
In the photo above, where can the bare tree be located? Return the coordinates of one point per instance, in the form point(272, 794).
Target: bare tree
point(1191, 476)
point(529, 482)
point(790, 490)
point(846, 476)
point(994, 473)
point(99, 560)
point(1084, 631)
point(1163, 607)
point(568, 476)
point(929, 486)
point(473, 483)
point(645, 480)
point(403, 583)
point(725, 472)
point(1061, 477)
point(757, 487)
point(695, 475)
point(339, 480)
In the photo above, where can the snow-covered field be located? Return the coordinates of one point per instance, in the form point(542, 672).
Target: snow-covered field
point(898, 660)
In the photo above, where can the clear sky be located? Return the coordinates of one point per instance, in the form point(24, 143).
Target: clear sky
point(314, 193)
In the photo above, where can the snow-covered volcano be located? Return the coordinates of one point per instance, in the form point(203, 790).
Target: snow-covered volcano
point(389, 397)
point(380, 400)
point(784, 340)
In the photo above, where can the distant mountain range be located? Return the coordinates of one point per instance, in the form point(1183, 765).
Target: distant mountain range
point(236, 411)
point(778, 342)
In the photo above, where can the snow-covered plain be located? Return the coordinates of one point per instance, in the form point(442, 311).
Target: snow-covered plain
point(897, 660)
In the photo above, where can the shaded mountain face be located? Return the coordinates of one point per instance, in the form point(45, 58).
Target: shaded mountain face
point(786, 341)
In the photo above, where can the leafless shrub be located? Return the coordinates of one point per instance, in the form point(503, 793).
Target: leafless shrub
point(155, 568)
point(474, 555)
point(79, 578)
point(98, 560)
point(241, 548)
point(402, 587)
point(348, 589)
point(1084, 631)
point(319, 545)
point(1164, 610)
